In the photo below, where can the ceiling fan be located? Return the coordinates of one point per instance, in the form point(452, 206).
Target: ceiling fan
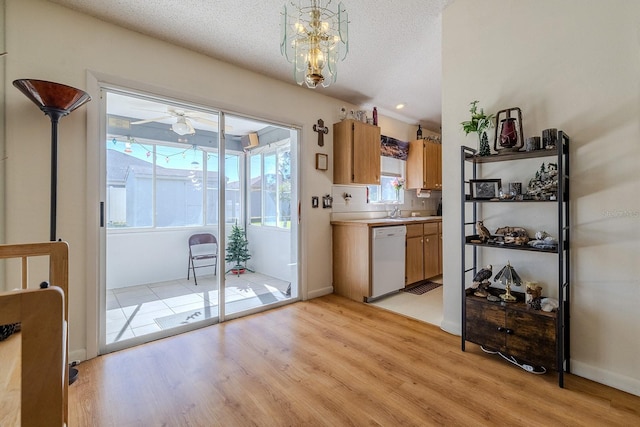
point(183, 125)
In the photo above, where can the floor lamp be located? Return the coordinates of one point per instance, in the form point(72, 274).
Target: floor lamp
point(55, 100)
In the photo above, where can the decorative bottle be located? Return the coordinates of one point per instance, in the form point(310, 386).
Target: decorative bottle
point(375, 116)
point(419, 133)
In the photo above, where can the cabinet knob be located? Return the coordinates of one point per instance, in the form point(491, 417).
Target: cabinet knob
point(500, 329)
point(509, 331)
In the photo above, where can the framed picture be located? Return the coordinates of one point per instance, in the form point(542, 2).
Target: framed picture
point(485, 188)
point(322, 161)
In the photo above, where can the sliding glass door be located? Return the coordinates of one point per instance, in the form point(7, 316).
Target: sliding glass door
point(171, 177)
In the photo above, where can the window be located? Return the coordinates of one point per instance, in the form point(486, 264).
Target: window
point(385, 193)
point(163, 185)
point(161, 175)
point(233, 188)
point(270, 186)
point(178, 186)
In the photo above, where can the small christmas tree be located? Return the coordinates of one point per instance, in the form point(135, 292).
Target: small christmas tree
point(485, 150)
point(237, 250)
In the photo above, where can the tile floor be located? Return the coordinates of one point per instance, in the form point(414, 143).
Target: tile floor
point(426, 307)
point(140, 310)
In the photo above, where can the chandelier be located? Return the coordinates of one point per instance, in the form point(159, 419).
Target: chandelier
point(314, 39)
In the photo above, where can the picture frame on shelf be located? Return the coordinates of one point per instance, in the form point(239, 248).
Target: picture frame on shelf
point(485, 189)
point(322, 161)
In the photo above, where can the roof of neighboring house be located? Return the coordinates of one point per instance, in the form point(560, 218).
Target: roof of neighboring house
point(120, 165)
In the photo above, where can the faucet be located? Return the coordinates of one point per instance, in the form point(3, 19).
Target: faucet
point(395, 212)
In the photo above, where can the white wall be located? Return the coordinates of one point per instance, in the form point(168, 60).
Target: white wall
point(49, 42)
point(274, 248)
point(573, 65)
point(141, 257)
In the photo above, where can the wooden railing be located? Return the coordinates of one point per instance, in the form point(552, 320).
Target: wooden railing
point(43, 315)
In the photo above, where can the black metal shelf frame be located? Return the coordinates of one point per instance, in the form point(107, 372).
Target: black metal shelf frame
point(469, 155)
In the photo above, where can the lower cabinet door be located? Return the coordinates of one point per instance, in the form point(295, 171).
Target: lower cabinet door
point(485, 324)
point(533, 337)
point(431, 255)
point(413, 262)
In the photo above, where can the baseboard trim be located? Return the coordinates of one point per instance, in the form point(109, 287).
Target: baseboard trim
point(452, 328)
point(603, 376)
point(320, 292)
point(77, 355)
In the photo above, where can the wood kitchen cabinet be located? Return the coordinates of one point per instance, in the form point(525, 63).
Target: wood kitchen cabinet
point(352, 261)
point(440, 269)
point(414, 258)
point(431, 250)
point(424, 165)
point(513, 329)
point(352, 254)
point(423, 252)
point(356, 153)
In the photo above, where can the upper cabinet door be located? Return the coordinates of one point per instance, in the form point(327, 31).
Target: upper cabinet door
point(424, 165)
point(356, 152)
point(366, 154)
point(433, 166)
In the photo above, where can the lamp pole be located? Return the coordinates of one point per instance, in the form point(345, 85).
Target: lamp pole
point(55, 115)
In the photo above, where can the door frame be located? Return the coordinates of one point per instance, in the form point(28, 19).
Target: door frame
point(95, 256)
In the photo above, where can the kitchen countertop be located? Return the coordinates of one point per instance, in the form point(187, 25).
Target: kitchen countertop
point(382, 222)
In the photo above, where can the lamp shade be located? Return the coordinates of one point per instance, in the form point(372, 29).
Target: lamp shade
point(52, 96)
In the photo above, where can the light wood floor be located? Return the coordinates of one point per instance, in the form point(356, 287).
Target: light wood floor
point(329, 362)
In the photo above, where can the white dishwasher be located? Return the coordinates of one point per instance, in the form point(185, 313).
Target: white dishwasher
point(388, 251)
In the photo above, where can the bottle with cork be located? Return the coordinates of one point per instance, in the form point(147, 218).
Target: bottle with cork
point(419, 132)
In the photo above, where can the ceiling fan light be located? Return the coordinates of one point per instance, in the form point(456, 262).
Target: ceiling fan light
point(183, 127)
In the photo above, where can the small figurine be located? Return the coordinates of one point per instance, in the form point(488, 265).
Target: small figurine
point(534, 296)
point(481, 281)
point(483, 232)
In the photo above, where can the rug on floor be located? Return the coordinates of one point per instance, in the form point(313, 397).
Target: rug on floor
point(423, 288)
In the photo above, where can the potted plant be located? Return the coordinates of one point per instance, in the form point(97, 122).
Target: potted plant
point(237, 251)
point(479, 123)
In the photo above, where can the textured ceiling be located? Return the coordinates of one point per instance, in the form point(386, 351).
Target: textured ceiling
point(394, 47)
